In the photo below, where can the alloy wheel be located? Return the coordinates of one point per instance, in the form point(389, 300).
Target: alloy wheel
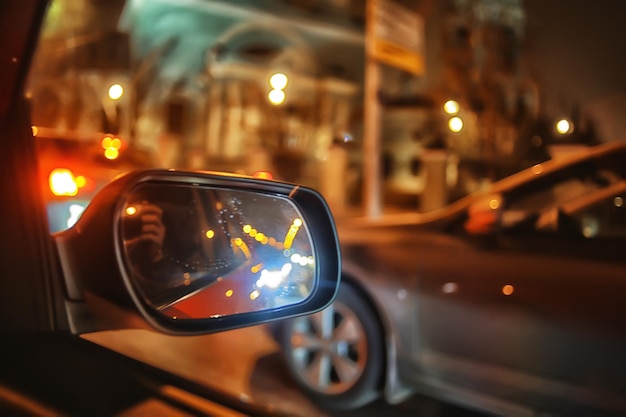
point(329, 349)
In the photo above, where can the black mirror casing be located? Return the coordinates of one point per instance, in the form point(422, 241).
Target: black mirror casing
point(102, 292)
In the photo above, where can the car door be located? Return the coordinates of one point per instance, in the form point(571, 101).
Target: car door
point(530, 314)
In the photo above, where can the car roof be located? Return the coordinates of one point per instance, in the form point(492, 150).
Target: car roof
point(527, 177)
point(550, 167)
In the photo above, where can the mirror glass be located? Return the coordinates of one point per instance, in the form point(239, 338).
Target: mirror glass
point(200, 252)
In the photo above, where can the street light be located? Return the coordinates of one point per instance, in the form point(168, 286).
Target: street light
point(278, 82)
point(116, 91)
point(451, 107)
point(563, 127)
point(276, 97)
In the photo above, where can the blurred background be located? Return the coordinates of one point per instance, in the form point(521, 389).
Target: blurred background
point(461, 93)
point(277, 88)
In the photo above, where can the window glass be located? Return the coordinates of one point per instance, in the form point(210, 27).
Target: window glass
point(603, 219)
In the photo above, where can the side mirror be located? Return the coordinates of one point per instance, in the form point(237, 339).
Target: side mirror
point(192, 253)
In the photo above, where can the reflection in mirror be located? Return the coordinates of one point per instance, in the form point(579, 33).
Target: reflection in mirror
point(202, 252)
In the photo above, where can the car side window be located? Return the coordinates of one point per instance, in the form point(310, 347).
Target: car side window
point(604, 219)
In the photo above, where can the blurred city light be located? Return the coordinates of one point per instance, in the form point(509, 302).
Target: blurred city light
point(62, 182)
point(455, 124)
point(451, 107)
point(116, 91)
point(111, 153)
point(278, 81)
point(563, 127)
point(508, 289)
point(81, 181)
point(276, 97)
point(111, 146)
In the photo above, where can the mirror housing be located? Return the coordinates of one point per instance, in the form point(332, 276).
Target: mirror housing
point(104, 289)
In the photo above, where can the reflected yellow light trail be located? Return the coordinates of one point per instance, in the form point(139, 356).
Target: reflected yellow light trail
point(262, 238)
point(291, 234)
point(238, 242)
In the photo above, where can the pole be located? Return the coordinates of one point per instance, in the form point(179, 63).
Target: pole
point(372, 110)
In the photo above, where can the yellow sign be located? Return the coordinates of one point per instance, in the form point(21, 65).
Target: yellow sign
point(395, 36)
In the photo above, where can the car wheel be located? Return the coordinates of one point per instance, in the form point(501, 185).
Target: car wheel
point(337, 355)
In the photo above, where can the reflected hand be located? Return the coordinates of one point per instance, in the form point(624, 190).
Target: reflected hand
point(151, 231)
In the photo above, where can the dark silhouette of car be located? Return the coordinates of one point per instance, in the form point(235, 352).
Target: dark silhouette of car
point(509, 301)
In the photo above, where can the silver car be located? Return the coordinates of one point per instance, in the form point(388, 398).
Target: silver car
point(509, 301)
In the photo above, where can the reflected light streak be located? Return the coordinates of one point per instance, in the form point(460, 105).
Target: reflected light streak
point(81, 181)
point(273, 279)
point(296, 258)
point(291, 234)
point(75, 211)
point(261, 237)
point(242, 246)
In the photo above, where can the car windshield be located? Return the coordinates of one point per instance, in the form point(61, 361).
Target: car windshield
point(392, 109)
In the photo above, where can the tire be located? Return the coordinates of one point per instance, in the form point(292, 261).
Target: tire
point(337, 355)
